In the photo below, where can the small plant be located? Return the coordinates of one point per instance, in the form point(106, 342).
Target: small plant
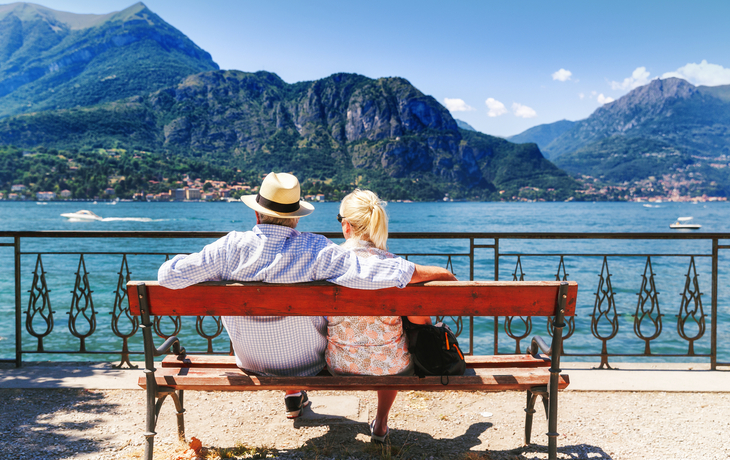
point(240, 450)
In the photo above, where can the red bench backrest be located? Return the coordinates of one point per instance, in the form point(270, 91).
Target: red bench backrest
point(452, 298)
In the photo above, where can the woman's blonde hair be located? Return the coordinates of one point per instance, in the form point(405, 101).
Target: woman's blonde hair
point(366, 214)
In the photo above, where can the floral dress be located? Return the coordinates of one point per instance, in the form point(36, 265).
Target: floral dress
point(366, 345)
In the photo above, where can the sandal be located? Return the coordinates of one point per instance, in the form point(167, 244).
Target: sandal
point(374, 437)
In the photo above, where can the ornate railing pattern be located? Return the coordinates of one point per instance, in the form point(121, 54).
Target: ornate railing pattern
point(647, 319)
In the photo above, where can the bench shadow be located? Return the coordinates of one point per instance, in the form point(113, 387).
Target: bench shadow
point(57, 375)
point(52, 424)
point(342, 440)
point(574, 452)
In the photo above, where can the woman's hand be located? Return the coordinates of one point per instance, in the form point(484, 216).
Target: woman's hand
point(420, 319)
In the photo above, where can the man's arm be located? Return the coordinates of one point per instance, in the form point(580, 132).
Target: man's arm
point(430, 273)
point(186, 270)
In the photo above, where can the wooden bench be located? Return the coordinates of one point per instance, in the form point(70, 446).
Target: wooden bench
point(536, 373)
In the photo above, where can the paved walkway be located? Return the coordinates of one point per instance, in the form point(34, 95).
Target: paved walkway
point(583, 377)
point(81, 411)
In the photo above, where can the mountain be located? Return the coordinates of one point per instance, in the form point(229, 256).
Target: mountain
point(464, 125)
point(383, 132)
point(625, 159)
point(690, 118)
point(51, 59)
point(542, 135)
point(667, 136)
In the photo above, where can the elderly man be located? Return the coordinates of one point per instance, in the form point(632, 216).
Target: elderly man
point(275, 252)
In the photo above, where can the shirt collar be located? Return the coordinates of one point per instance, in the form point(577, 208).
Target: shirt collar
point(280, 231)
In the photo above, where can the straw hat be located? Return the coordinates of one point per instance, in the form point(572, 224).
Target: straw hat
point(279, 196)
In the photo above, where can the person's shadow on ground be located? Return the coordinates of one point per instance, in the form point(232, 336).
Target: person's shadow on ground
point(342, 441)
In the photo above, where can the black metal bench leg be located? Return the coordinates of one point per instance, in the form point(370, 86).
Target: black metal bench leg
point(529, 411)
point(177, 398)
point(555, 349)
point(532, 395)
point(553, 428)
point(151, 416)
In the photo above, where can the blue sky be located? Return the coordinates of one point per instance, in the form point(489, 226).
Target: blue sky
point(501, 66)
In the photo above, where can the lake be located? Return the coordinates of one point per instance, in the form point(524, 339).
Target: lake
point(584, 264)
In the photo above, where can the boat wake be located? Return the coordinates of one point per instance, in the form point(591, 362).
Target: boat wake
point(131, 219)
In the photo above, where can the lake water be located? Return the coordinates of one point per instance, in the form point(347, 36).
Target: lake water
point(626, 272)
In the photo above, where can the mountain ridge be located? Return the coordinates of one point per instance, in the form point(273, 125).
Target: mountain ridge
point(45, 61)
point(335, 126)
point(542, 135)
point(667, 131)
point(129, 82)
point(74, 21)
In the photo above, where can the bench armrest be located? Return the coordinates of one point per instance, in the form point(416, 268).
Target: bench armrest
point(173, 342)
point(539, 344)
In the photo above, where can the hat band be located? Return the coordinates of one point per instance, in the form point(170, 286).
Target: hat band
point(278, 207)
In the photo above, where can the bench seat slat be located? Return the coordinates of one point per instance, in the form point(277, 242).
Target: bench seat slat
point(229, 379)
point(452, 298)
point(219, 361)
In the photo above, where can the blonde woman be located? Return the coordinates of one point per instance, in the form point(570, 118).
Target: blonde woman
point(369, 345)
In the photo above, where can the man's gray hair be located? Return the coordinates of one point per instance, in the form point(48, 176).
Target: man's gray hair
point(291, 223)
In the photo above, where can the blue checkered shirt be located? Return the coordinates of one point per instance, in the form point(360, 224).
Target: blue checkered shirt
point(276, 345)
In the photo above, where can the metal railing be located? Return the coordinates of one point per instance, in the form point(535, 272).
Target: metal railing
point(484, 255)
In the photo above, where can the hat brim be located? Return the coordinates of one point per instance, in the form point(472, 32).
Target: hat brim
point(304, 208)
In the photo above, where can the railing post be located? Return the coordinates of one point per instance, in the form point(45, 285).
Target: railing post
point(713, 330)
point(471, 259)
point(471, 278)
point(18, 313)
point(496, 278)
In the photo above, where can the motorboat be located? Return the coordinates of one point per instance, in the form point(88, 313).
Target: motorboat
point(684, 223)
point(81, 215)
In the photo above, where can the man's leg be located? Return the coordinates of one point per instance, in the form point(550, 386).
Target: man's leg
point(295, 401)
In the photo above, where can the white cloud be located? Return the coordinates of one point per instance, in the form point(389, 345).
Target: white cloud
point(457, 105)
point(604, 99)
point(703, 73)
point(496, 108)
point(581, 95)
point(523, 111)
point(562, 75)
point(639, 77)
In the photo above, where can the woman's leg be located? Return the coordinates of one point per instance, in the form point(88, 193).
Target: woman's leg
point(385, 402)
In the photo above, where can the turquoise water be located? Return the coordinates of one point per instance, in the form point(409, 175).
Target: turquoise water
point(626, 272)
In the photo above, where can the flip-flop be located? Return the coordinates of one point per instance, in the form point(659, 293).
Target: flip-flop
point(374, 437)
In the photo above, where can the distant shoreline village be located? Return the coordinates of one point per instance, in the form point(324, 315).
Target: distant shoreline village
point(193, 190)
point(199, 190)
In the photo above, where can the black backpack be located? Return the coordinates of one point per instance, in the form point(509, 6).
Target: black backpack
point(434, 349)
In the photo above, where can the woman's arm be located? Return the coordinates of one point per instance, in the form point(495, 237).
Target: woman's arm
point(431, 273)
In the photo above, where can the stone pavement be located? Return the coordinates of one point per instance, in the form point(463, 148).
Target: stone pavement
point(90, 411)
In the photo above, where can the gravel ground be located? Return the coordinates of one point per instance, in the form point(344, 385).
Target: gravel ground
point(107, 424)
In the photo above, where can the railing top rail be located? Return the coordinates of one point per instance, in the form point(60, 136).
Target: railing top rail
point(392, 235)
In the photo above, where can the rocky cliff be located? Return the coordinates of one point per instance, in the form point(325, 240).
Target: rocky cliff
point(343, 124)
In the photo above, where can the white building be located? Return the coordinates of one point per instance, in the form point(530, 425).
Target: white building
point(43, 196)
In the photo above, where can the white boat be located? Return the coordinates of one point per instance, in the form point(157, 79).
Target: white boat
point(81, 215)
point(683, 223)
